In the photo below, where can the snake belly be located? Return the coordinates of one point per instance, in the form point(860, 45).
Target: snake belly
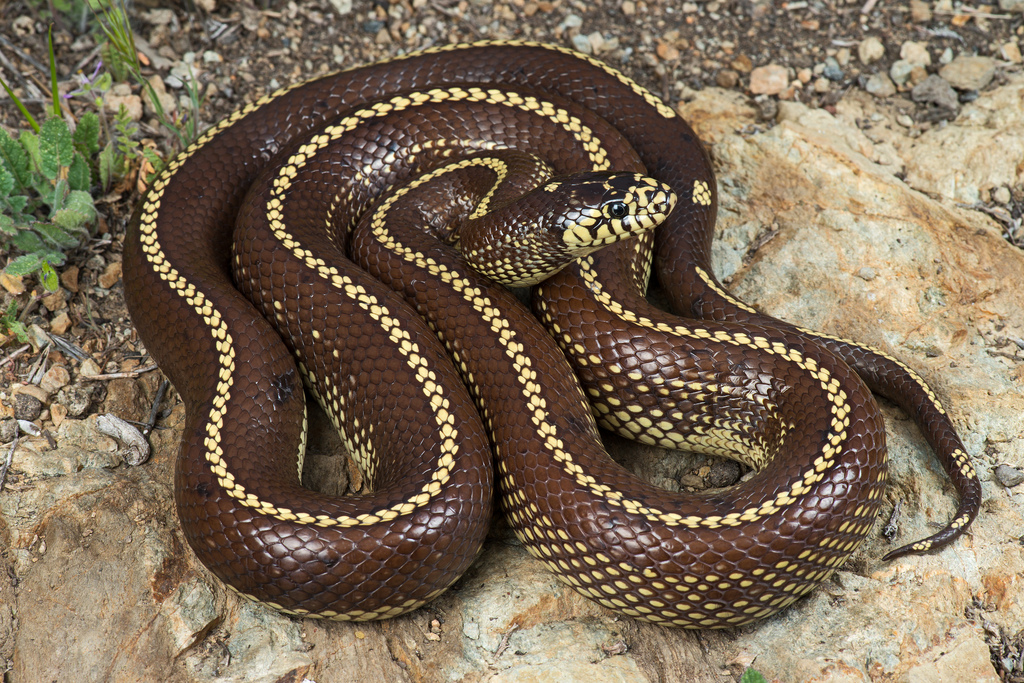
point(738, 384)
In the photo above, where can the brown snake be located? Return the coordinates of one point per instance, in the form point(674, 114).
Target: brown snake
point(724, 379)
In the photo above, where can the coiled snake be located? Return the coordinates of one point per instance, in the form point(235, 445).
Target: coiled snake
point(723, 379)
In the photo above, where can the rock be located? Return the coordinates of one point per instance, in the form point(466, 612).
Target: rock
point(76, 398)
point(983, 151)
point(1011, 52)
point(1009, 476)
point(769, 80)
point(920, 12)
point(55, 378)
point(969, 73)
point(966, 659)
point(121, 95)
point(916, 53)
point(880, 85)
point(727, 78)
point(900, 71)
point(110, 275)
point(870, 50)
point(935, 90)
point(27, 407)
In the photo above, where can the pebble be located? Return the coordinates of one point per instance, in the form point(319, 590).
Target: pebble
point(870, 50)
point(867, 273)
point(900, 70)
point(1011, 52)
point(110, 275)
point(121, 94)
point(935, 90)
point(1009, 476)
point(769, 80)
point(832, 70)
point(1001, 195)
point(727, 78)
point(55, 378)
point(76, 398)
point(27, 407)
point(90, 368)
point(915, 53)
point(920, 12)
point(969, 73)
point(880, 85)
point(904, 120)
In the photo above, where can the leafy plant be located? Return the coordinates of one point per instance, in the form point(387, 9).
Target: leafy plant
point(752, 675)
point(10, 325)
point(45, 179)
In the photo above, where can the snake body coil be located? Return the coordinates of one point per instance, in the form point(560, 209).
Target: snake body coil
point(724, 380)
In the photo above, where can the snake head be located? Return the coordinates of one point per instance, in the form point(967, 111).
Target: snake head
point(599, 209)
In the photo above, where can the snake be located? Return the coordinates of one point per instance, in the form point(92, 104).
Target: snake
point(285, 251)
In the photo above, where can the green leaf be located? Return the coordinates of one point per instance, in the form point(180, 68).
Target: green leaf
point(7, 182)
point(50, 280)
point(14, 158)
point(87, 134)
point(56, 233)
point(7, 226)
point(28, 242)
point(78, 212)
point(108, 165)
point(23, 265)
point(30, 143)
point(78, 175)
point(752, 676)
point(16, 204)
point(56, 147)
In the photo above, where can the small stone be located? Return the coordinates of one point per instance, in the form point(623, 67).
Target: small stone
point(918, 74)
point(629, 8)
point(60, 323)
point(727, 78)
point(207, 6)
point(212, 57)
point(867, 273)
point(76, 398)
point(1001, 195)
point(724, 473)
point(580, 43)
point(55, 301)
point(904, 120)
point(69, 278)
point(969, 73)
point(1009, 476)
point(900, 70)
point(90, 368)
point(832, 70)
point(57, 413)
point(742, 64)
point(920, 12)
point(916, 53)
point(597, 42)
point(769, 80)
point(342, 7)
point(843, 56)
point(27, 407)
point(121, 95)
point(14, 284)
point(54, 379)
point(880, 85)
point(110, 275)
point(870, 50)
point(1011, 52)
point(8, 429)
point(667, 52)
point(935, 90)
point(822, 85)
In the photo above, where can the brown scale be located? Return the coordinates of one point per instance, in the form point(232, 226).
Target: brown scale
point(209, 341)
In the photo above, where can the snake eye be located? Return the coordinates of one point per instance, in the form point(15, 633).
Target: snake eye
point(617, 209)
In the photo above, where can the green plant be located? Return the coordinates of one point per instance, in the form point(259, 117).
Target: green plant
point(10, 325)
point(123, 58)
point(752, 675)
point(45, 178)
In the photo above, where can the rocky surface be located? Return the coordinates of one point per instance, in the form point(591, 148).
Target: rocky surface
point(861, 217)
